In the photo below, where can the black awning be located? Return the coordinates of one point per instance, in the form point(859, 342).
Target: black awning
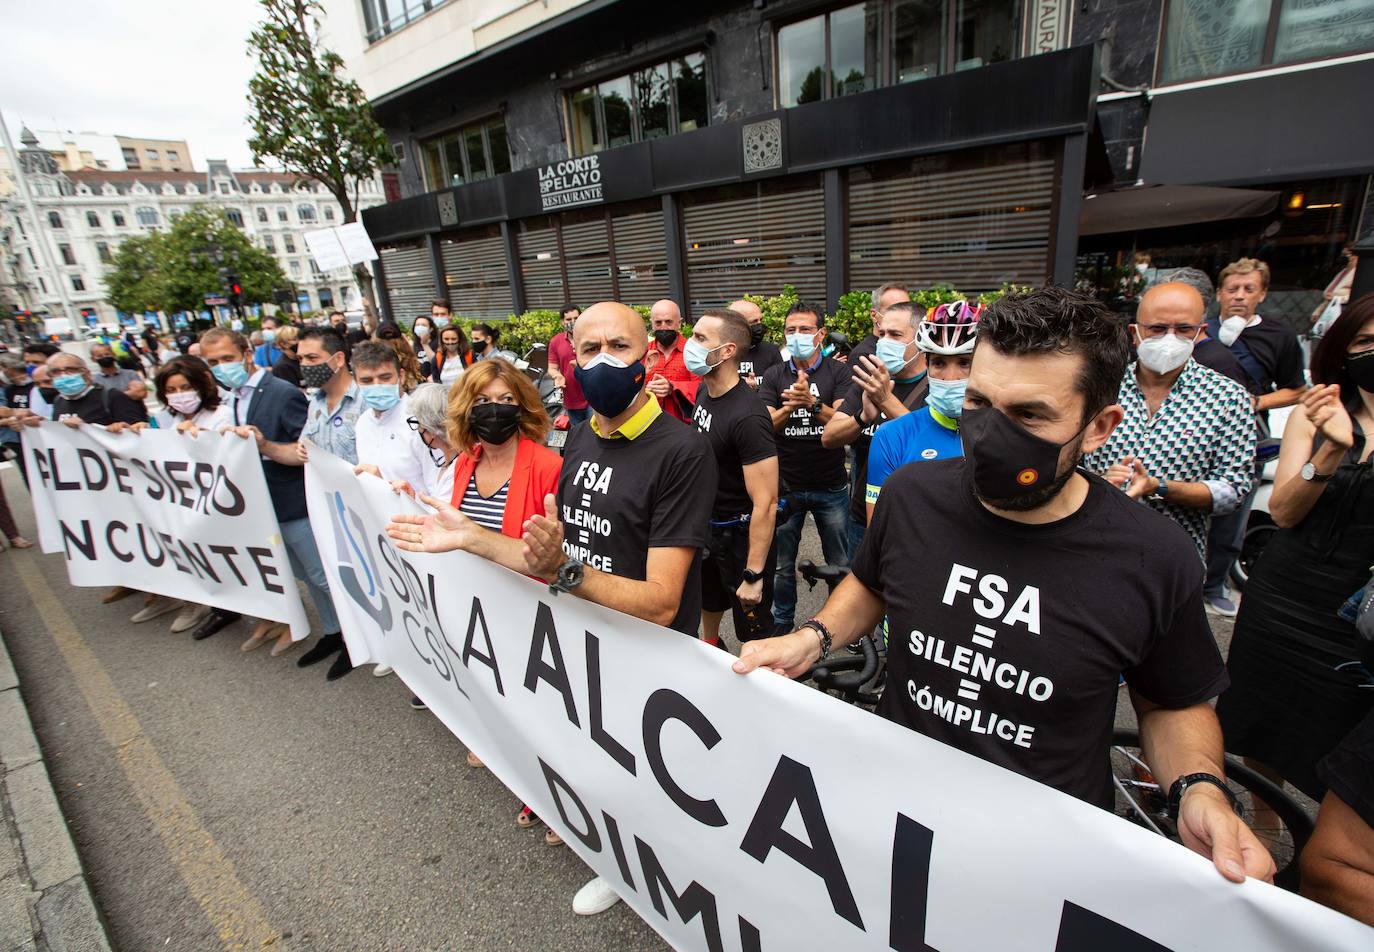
point(1165, 206)
point(1310, 123)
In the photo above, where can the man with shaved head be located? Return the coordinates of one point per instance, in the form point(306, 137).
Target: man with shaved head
point(669, 379)
point(634, 500)
point(762, 354)
point(81, 398)
point(1187, 444)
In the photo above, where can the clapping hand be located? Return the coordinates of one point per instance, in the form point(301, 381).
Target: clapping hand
point(543, 538)
point(1129, 475)
point(445, 530)
point(1328, 415)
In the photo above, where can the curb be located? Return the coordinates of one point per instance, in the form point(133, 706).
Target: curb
point(45, 901)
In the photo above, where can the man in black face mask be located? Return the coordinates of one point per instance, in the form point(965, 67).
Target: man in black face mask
point(113, 377)
point(762, 354)
point(642, 484)
point(1019, 589)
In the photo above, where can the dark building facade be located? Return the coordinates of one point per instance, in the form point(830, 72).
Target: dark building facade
point(636, 150)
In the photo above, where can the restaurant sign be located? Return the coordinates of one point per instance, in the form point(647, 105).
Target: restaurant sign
point(570, 183)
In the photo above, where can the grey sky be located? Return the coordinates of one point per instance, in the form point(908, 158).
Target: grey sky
point(173, 69)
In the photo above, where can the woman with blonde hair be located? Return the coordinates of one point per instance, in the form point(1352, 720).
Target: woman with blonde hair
point(288, 365)
point(500, 479)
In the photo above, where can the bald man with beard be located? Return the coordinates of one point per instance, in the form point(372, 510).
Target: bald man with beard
point(634, 500)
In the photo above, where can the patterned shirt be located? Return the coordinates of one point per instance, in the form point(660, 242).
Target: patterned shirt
point(335, 432)
point(1203, 432)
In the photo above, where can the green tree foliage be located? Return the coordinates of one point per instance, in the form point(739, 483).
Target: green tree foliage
point(174, 270)
point(307, 114)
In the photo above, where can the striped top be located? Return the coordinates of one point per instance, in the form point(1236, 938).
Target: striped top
point(486, 511)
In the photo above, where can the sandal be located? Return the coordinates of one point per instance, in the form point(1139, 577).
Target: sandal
point(526, 818)
point(551, 838)
point(474, 760)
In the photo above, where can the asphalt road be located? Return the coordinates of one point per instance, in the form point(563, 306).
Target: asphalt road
point(207, 789)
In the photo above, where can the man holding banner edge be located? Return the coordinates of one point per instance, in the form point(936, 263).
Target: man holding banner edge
point(1047, 654)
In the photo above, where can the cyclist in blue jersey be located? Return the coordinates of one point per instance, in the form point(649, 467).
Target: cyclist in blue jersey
point(946, 336)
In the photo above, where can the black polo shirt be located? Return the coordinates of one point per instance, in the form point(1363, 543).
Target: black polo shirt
point(101, 407)
point(804, 463)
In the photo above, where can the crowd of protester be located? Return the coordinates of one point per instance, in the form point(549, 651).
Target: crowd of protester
point(1108, 466)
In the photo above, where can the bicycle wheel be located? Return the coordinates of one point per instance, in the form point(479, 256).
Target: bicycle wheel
point(1279, 821)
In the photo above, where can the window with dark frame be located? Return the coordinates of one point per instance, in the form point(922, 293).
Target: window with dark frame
point(77, 283)
point(92, 220)
point(1203, 39)
point(54, 220)
point(235, 217)
point(66, 252)
point(262, 215)
point(102, 249)
point(469, 154)
point(653, 101)
point(384, 17)
point(862, 46)
point(117, 218)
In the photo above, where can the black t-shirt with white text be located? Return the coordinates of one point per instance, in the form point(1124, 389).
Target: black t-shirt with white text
point(912, 394)
point(762, 357)
point(101, 407)
point(618, 498)
point(1007, 639)
point(740, 433)
point(17, 395)
point(804, 463)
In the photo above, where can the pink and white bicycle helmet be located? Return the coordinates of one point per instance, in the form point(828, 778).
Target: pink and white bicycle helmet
point(949, 329)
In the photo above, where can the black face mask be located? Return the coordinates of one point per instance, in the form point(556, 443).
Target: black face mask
point(756, 332)
point(1361, 369)
point(316, 375)
point(105, 361)
point(610, 389)
point(1013, 469)
point(666, 337)
point(494, 422)
point(479, 347)
point(49, 394)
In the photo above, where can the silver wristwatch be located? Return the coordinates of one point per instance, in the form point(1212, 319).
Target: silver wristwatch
point(570, 575)
point(1309, 473)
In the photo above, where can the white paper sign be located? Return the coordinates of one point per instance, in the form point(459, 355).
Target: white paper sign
point(340, 247)
point(163, 513)
point(753, 813)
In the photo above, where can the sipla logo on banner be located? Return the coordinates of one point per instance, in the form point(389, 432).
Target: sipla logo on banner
point(365, 591)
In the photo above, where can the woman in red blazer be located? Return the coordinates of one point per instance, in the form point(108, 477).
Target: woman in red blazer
point(502, 477)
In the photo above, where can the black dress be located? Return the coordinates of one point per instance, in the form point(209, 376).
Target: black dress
point(1287, 705)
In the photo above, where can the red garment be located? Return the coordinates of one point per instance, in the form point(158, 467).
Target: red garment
point(672, 368)
point(562, 358)
point(534, 476)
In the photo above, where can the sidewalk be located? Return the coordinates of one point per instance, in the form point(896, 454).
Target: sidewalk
point(45, 904)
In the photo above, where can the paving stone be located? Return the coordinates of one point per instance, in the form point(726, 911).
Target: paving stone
point(48, 851)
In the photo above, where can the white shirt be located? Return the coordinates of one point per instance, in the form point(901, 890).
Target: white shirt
point(439, 482)
point(205, 419)
point(451, 370)
point(242, 398)
point(386, 441)
point(38, 405)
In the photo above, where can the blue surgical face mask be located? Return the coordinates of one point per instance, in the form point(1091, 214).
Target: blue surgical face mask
point(268, 336)
point(30, 368)
point(802, 346)
point(609, 384)
point(382, 396)
point(231, 376)
point(695, 355)
point(69, 385)
point(946, 397)
point(892, 353)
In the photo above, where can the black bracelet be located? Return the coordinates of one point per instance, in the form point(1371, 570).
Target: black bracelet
point(1180, 786)
point(818, 626)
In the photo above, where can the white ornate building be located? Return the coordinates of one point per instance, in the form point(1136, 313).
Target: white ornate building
point(84, 216)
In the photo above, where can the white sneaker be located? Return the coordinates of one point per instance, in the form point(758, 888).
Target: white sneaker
point(381, 671)
point(191, 615)
point(155, 608)
point(595, 897)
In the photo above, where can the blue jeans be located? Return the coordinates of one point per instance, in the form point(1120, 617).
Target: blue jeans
point(578, 416)
point(304, 557)
point(830, 510)
point(1224, 540)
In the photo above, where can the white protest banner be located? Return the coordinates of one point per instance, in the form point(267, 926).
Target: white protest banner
point(753, 813)
point(341, 246)
point(163, 513)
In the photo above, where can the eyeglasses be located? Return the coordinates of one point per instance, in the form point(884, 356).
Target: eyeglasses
point(435, 456)
point(1187, 331)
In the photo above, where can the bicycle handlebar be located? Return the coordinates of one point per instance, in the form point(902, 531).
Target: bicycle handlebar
point(827, 673)
point(813, 573)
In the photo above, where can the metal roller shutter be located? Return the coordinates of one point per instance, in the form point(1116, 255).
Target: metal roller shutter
point(641, 256)
point(754, 239)
point(409, 279)
point(540, 269)
point(476, 274)
point(977, 223)
point(587, 255)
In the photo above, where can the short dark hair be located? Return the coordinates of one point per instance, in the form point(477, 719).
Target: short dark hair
point(197, 374)
point(388, 330)
point(374, 353)
point(1055, 321)
point(441, 302)
point(806, 307)
point(46, 348)
point(492, 333)
point(566, 309)
point(334, 314)
point(213, 334)
point(734, 328)
point(331, 341)
point(1328, 362)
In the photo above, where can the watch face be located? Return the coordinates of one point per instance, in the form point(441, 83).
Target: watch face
point(1308, 471)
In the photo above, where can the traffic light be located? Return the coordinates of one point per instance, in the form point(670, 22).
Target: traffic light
point(233, 289)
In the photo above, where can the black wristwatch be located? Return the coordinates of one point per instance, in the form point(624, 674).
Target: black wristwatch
point(1181, 785)
point(818, 626)
point(752, 577)
point(570, 575)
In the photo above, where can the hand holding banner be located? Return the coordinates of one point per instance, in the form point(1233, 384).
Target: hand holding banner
point(753, 813)
point(163, 513)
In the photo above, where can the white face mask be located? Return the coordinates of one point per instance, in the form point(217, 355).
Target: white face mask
point(1231, 328)
point(1164, 354)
